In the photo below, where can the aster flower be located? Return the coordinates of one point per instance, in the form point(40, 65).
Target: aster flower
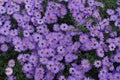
point(62, 78)
point(117, 41)
point(10, 11)
point(118, 2)
point(63, 27)
point(117, 76)
point(56, 27)
point(11, 63)
point(18, 48)
point(43, 60)
point(86, 64)
point(117, 23)
point(103, 73)
point(14, 32)
point(4, 47)
point(4, 31)
point(42, 44)
point(99, 4)
point(91, 2)
point(50, 64)
point(112, 47)
point(33, 59)
point(83, 38)
point(37, 37)
point(69, 58)
point(118, 69)
point(113, 17)
point(110, 11)
point(49, 75)
point(16, 8)
point(100, 52)
point(39, 70)
point(11, 78)
point(117, 58)
point(111, 66)
point(55, 69)
point(21, 58)
point(2, 39)
point(27, 67)
point(72, 70)
point(30, 75)
point(105, 61)
point(2, 10)
point(71, 78)
point(26, 33)
point(60, 49)
point(8, 71)
point(79, 75)
point(97, 63)
point(38, 76)
point(59, 57)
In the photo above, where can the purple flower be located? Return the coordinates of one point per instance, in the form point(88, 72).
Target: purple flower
point(56, 27)
point(83, 38)
point(11, 63)
point(27, 67)
point(50, 64)
point(8, 71)
point(68, 58)
point(61, 50)
point(38, 76)
point(21, 58)
point(118, 69)
point(110, 11)
point(117, 58)
point(86, 64)
point(49, 75)
point(62, 78)
point(4, 47)
point(37, 37)
point(117, 41)
point(2, 39)
point(39, 70)
point(91, 2)
point(78, 75)
point(33, 59)
point(30, 75)
point(11, 78)
point(10, 11)
point(99, 4)
point(42, 44)
point(2, 10)
point(55, 69)
point(26, 33)
point(64, 27)
point(117, 23)
point(97, 63)
point(112, 47)
point(113, 17)
point(43, 60)
point(72, 70)
point(117, 76)
point(105, 61)
point(100, 52)
point(118, 2)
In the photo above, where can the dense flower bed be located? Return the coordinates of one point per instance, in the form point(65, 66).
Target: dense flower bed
point(60, 39)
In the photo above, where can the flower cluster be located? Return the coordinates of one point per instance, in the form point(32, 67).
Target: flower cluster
point(9, 70)
point(82, 10)
point(48, 50)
